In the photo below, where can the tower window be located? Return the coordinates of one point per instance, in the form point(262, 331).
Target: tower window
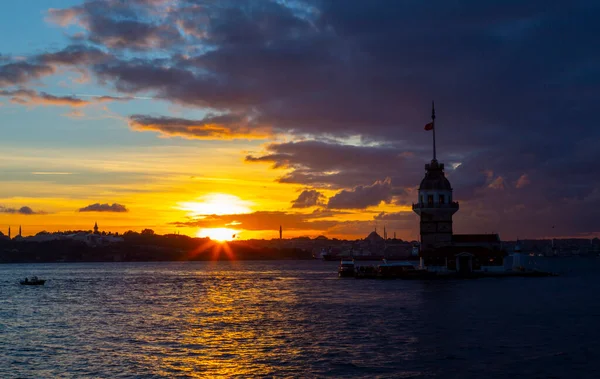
point(441, 199)
point(430, 199)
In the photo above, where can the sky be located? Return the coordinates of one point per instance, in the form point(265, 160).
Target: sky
point(206, 117)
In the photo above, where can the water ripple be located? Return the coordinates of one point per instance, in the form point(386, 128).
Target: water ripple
point(291, 319)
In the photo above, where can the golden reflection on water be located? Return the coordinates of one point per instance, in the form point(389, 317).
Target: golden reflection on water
point(235, 329)
point(209, 320)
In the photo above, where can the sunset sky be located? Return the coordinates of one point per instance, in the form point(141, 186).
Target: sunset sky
point(183, 116)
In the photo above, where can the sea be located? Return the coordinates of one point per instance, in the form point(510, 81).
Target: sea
point(294, 319)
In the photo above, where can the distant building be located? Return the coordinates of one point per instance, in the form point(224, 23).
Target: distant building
point(374, 239)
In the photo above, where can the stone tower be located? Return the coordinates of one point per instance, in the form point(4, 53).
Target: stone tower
point(96, 228)
point(435, 207)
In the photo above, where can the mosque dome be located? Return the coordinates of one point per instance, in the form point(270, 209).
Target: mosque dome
point(374, 237)
point(434, 177)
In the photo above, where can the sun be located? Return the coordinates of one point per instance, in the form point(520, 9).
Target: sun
point(218, 234)
point(216, 204)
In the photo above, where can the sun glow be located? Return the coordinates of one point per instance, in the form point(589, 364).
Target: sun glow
point(216, 204)
point(218, 234)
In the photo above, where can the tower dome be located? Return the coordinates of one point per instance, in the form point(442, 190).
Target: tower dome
point(434, 178)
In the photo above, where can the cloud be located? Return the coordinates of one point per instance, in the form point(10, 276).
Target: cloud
point(497, 183)
point(263, 220)
point(236, 55)
point(227, 126)
point(75, 55)
point(104, 208)
point(523, 181)
point(22, 72)
point(75, 114)
point(511, 83)
point(361, 197)
point(64, 17)
point(30, 97)
point(337, 165)
point(120, 26)
point(45, 64)
point(25, 210)
point(308, 198)
point(396, 216)
point(318, 222)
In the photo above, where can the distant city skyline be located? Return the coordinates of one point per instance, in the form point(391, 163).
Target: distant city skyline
point(240, 116)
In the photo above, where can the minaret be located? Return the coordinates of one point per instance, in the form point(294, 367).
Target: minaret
point(9, 232)
point(384, 233)
point(435, 206)
point(96, 227)
point(280, 232)
point(20, 231)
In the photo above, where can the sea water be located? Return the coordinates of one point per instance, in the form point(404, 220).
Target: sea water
point(294, 319)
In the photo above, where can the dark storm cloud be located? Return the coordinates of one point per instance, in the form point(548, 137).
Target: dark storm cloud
point(23, 211)
point(226, 126)
point(351, 67)
point(308, 198)
point(361, 197)
point(516, 86)
point(118, 208)
point(335, 165)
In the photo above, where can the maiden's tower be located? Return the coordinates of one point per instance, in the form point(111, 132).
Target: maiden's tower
point(441, 249)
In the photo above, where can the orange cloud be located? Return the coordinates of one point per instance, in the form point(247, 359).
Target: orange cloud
point(75, 114)
point(497, 183)
point(63, 17)
point(227, 126)
point(523, 181)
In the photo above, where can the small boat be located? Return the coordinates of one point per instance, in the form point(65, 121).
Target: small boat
point(33, 281)
point(346, 269)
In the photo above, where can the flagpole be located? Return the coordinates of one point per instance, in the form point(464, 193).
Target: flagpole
point(433, 122)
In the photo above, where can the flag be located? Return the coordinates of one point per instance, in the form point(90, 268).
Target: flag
point(429, 126)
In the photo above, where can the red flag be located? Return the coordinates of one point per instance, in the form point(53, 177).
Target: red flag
point(429, 126)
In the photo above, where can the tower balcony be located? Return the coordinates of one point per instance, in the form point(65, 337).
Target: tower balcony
point(453, 204)
point(435, 207)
